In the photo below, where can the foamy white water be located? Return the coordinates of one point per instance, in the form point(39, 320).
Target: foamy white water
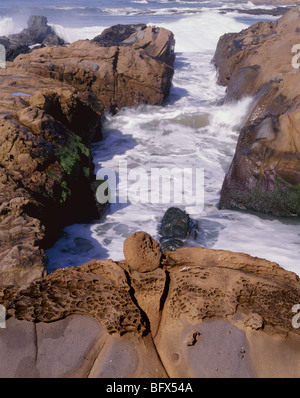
point(69, 34)
point(192, 130)
point(9, 26)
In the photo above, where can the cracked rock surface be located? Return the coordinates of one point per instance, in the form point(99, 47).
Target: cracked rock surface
point(201, 313)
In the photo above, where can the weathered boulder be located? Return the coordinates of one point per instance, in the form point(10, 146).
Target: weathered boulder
point(119, 76)
point(258, 61)
point(203, 313)
point(142, 252)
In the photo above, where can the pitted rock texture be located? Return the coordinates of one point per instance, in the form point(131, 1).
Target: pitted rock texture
point(142, 252)
point(209, 313)
point(221, 289)
point(264, 174)
point(98, 289)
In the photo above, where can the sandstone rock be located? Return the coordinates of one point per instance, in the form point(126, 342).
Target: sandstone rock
point(119, 76)
point(264, 174)
point(45, 168)
point(204, 313)
point(142, 252)
point(81, 113)
point(77, 346)
point(202, 332)
point(149, 289)
point(51, 108)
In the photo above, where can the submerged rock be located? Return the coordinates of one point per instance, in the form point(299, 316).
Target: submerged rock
point(176, 226)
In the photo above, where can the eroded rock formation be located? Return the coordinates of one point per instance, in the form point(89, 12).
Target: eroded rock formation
point(51, 107)
point(45, 167)
point(258, 61)
point(199, 313)
point(120, 75)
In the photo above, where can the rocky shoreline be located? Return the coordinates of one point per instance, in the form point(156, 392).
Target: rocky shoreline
point(265, 171)
point(185, 313)
point(52, 103)
point(154, 315)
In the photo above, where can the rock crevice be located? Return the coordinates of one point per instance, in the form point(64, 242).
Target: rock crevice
point(168, 310)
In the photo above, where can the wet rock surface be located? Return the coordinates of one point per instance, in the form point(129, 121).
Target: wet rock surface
point(45, 169)
point(52, 102)
point(183, 314)
point(258, 61)
point(176, 226)
point(118, 35)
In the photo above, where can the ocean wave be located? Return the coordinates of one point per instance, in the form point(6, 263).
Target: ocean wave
point(202, 32)
point(194, 33)
point(8, 26)
point(69, 35)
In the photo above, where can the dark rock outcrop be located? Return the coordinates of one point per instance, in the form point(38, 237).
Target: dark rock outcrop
point(37, 33)
point(46, 167)
point(176, 226)
point(117, 35)
point(265, 171)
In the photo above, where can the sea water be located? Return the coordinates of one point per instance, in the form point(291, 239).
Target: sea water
point(193, 130)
